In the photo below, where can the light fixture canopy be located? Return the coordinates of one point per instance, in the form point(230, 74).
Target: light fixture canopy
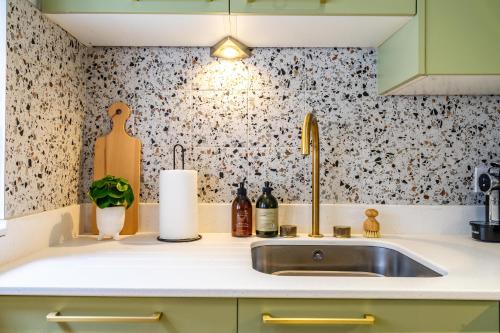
point(230, 48)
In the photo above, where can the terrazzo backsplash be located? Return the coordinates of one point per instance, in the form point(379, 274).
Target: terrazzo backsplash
point(44, 113)
point(237, 120)
point(242, 119)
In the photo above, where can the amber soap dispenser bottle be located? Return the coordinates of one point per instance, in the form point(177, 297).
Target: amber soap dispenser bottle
point(241, 221)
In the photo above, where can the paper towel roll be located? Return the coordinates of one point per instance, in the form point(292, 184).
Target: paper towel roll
point(178, 204)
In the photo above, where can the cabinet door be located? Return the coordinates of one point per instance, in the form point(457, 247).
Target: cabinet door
point(324, 7)
point(463, 37)
point(28, 314)
point(390, 316)
point(136, 6)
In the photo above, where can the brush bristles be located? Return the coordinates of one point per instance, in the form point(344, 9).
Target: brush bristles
point(371, 234)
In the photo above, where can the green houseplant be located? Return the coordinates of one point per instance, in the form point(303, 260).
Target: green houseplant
point(112, 196)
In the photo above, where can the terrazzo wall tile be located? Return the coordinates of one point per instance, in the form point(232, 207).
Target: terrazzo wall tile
point(284, 167)
point(219, 119)
point(219, 171)
point(346, 71)
point(243, 119)
point(275, 68)
point(275, 118)
point(44, 113)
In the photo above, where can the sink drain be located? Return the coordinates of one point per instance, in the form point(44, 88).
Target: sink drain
point(318, 255)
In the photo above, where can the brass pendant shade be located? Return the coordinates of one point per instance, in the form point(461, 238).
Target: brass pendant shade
point(230, 48)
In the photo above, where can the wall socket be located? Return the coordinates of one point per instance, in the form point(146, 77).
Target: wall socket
point(482, 180)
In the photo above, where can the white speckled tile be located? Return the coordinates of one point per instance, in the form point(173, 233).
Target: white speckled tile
point(485, 121)
point(442, 175)
point(211, 74)
point(236, 118)
point(348, 71)
point(276, 68)
point(283, 167)
point(374, 148)
point(44, 113)
point(219, 119)
point(275, 118)
point(219, 172)
point(162, 121)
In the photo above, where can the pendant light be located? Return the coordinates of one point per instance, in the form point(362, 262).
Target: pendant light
point(230, 48)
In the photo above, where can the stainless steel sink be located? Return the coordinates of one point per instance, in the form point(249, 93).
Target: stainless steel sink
point(336, 260)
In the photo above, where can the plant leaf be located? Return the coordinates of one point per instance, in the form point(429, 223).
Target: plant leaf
point(121, 188)
point(111, 191)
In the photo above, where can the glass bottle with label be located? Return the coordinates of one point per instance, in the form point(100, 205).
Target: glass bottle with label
point(266, 213)
point(241, 222)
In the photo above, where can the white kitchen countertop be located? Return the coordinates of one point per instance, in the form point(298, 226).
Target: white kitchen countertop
point(221, 266)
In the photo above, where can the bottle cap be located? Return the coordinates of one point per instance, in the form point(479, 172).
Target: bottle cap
point(242, 190)
point(267, 187)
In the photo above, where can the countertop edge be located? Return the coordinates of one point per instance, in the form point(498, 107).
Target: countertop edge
point(179, 293)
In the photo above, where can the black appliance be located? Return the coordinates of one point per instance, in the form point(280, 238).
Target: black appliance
point(487, 180)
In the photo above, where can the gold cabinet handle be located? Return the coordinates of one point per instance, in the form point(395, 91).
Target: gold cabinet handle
point(367, 319)
point(55, 317)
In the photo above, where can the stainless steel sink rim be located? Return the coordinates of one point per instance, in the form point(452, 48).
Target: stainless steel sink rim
point(334, 259)
point(327, 273)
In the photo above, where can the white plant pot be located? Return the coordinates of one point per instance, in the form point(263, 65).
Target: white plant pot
point(110, 221)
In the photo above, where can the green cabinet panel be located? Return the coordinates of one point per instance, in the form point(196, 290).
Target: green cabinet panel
point(446, 37)
point(402, 56)
point(463, 37)
point(136, 6)
point(179, 315)
point(391, 316)
point(326, 7)
point(265, 7)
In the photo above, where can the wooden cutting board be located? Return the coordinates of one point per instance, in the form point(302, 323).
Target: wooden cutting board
point(119, 154)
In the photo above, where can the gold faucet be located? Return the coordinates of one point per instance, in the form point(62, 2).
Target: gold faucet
point(311, 125)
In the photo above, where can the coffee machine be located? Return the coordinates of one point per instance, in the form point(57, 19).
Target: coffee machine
point(487, 181)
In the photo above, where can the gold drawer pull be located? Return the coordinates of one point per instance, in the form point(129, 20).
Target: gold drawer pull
point(55, 317)
point(367, 319)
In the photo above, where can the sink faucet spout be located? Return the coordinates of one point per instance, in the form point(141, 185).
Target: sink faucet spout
point(310, 129)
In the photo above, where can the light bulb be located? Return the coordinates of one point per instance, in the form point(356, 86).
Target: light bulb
point(229, 52)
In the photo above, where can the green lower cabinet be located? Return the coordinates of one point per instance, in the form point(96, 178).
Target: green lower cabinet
point(26, 314)
point(398, 316)
point(178, 315)
point(324, 7)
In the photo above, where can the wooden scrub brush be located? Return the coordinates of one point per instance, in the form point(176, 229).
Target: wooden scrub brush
point(371, 228)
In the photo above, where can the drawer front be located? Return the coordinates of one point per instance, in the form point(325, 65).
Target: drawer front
point(136, 6)
point(185, 315)
point(390, 316)
point(324, 7)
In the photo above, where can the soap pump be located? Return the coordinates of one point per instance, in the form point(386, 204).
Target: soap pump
point(266, 218)
point(241, 217)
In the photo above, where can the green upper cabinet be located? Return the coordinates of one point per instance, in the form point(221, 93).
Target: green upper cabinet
point(271, 7)
point(450, 47)
point(324, 7)
point(202, 23)
point(136, 6)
